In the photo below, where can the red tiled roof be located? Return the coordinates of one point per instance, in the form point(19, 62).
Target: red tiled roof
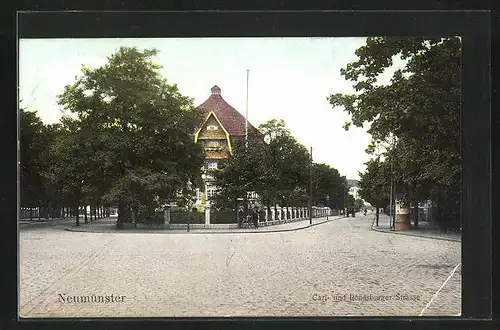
point(230, 118)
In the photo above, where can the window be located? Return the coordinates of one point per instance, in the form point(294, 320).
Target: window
point(212, 143)
point(252, 195)
point(211, 164)
point(198, 194)
point(212, 128)
point(211, 192)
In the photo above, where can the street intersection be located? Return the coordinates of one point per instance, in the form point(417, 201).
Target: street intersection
point(338, 268)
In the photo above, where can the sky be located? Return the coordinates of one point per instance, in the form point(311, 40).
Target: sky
point(289, 78)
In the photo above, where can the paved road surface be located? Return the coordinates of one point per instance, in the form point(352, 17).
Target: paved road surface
point(326, 270)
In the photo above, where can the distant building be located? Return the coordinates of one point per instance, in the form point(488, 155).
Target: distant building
point(222, 127)
point(353, 188)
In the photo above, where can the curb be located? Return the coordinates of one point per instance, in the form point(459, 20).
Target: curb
point(413, 235)
point(199, 231)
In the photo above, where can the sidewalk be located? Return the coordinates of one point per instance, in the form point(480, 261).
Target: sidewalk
point(53, 222)
point(425, 230)
point(108, 225)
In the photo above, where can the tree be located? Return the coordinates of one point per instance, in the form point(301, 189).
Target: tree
point(137, 130)
point(52, 198)
point(358, 204)
point(286, 171)
point(278, 171)
point(350, 201)
point(420, 108)
point(67, 166)
point(329, 187)
point(374, 184)
point(239, 174)
point(31, 150)
point(274, 128)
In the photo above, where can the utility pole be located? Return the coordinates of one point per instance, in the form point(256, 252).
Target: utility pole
point(391, 212)
point(246, 116)
point(246, 144)
point(310, 188)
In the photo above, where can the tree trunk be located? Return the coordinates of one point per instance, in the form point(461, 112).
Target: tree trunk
point(31, 213)
point(268, 210)
point(134, 214)
point(236, 211)
point(85, 212)
point(39, 212)
point(121, 214)
point(376, 215)
point(245, 206)
point(417, 211)
point(77, 214)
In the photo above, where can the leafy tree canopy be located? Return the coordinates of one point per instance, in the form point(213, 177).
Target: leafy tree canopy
point(417, 113)
point(132, 130)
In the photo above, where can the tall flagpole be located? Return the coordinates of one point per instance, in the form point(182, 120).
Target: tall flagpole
point(246, 117)
point(310, 188)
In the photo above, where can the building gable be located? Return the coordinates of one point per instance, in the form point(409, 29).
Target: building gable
point(212, 129)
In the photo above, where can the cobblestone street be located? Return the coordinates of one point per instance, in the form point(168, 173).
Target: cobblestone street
point(337, 268)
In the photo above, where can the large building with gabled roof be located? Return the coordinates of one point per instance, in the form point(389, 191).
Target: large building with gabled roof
point(222, 127)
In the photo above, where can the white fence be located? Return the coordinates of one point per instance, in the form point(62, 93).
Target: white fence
point(24, 212)
point(277, 215)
